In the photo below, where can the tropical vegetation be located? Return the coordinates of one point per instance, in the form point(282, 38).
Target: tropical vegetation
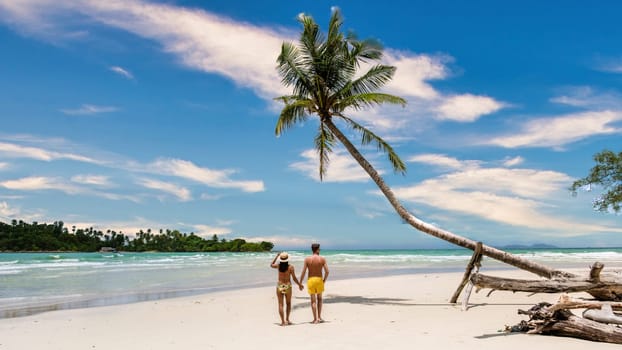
point(22, 236)
point(607, 174)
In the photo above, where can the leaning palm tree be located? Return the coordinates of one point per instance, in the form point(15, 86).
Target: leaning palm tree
point(323, 71)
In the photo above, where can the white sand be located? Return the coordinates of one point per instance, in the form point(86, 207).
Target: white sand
point(396, 312)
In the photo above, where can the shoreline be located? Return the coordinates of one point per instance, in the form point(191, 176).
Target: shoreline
point(156, 295)
point(360, 313)
point(73, 281)
point(132, 297)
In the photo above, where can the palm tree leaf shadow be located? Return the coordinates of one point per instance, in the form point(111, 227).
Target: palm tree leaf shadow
point(361, 300)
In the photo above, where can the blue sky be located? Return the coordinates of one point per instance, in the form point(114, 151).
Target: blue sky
point(141, 114)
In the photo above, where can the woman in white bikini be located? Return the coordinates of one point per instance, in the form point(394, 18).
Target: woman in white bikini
point(284, 285)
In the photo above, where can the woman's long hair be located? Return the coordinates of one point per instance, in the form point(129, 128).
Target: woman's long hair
point(283, 266)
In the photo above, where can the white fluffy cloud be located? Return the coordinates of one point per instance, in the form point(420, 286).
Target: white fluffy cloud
point(609, 64)
point(588, 97)
point(122, 72)
point(83, 184)
point(7, 211)
point(33, 183)
point(96, 180)
point(207, 231)
point(283, 242)
point(561, 130)
point(443, 161)
point(467, 107)
point(209, 177)
point(45, 183)
point(414, 72)
point(510, 196)
point(14, 150)
point(510, 162)
point(182, 193)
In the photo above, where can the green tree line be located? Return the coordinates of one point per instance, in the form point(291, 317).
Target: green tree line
point(22, 236)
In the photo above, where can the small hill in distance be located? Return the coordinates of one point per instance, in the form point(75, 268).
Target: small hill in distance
point(531, 246)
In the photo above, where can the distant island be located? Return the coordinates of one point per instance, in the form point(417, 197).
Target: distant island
point(531, 246)
point(19, 236)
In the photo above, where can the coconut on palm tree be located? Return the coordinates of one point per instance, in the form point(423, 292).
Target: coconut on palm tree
point(323, 71)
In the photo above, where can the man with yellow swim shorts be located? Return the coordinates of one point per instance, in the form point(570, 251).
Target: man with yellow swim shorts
point(316, 264)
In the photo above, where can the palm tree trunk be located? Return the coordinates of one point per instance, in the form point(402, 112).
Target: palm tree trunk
point(422, 226)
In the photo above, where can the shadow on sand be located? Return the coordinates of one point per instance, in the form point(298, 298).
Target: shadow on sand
point(361, 300)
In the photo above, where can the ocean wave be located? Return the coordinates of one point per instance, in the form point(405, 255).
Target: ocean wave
point(50, 266)
point(66, 260)
point(2, 263)
point(574, 256)
point(399, 259)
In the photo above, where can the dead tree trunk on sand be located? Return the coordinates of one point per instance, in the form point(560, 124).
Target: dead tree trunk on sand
point(599, 321)
point(606, 287)
point(558, 320)
point(474, 263)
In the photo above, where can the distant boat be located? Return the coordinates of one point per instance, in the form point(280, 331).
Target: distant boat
point(108, 250)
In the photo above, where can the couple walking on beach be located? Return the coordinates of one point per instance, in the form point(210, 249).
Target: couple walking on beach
point(318, 272)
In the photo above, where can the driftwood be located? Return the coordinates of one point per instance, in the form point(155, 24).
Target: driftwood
point(598, 311)
point(475, 262)
point(566, 302)
point(559, 320)
point(599, 322)
point(565, 323)
point(601, 287)
point(603, 315)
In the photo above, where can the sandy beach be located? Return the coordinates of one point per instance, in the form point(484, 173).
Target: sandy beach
point(369, 313)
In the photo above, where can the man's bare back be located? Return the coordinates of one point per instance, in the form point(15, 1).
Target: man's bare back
point(315, 264)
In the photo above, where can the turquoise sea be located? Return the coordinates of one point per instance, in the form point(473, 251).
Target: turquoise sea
point(38, 282)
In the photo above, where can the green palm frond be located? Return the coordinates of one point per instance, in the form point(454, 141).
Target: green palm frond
point(364, 51)
point(294, 112)
point(334, 25)
point(291, 69)
point(367, 137)
point(361, 101)
point(310, 40)
point(334, 66)
point(375, 78)
point(324, 142)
